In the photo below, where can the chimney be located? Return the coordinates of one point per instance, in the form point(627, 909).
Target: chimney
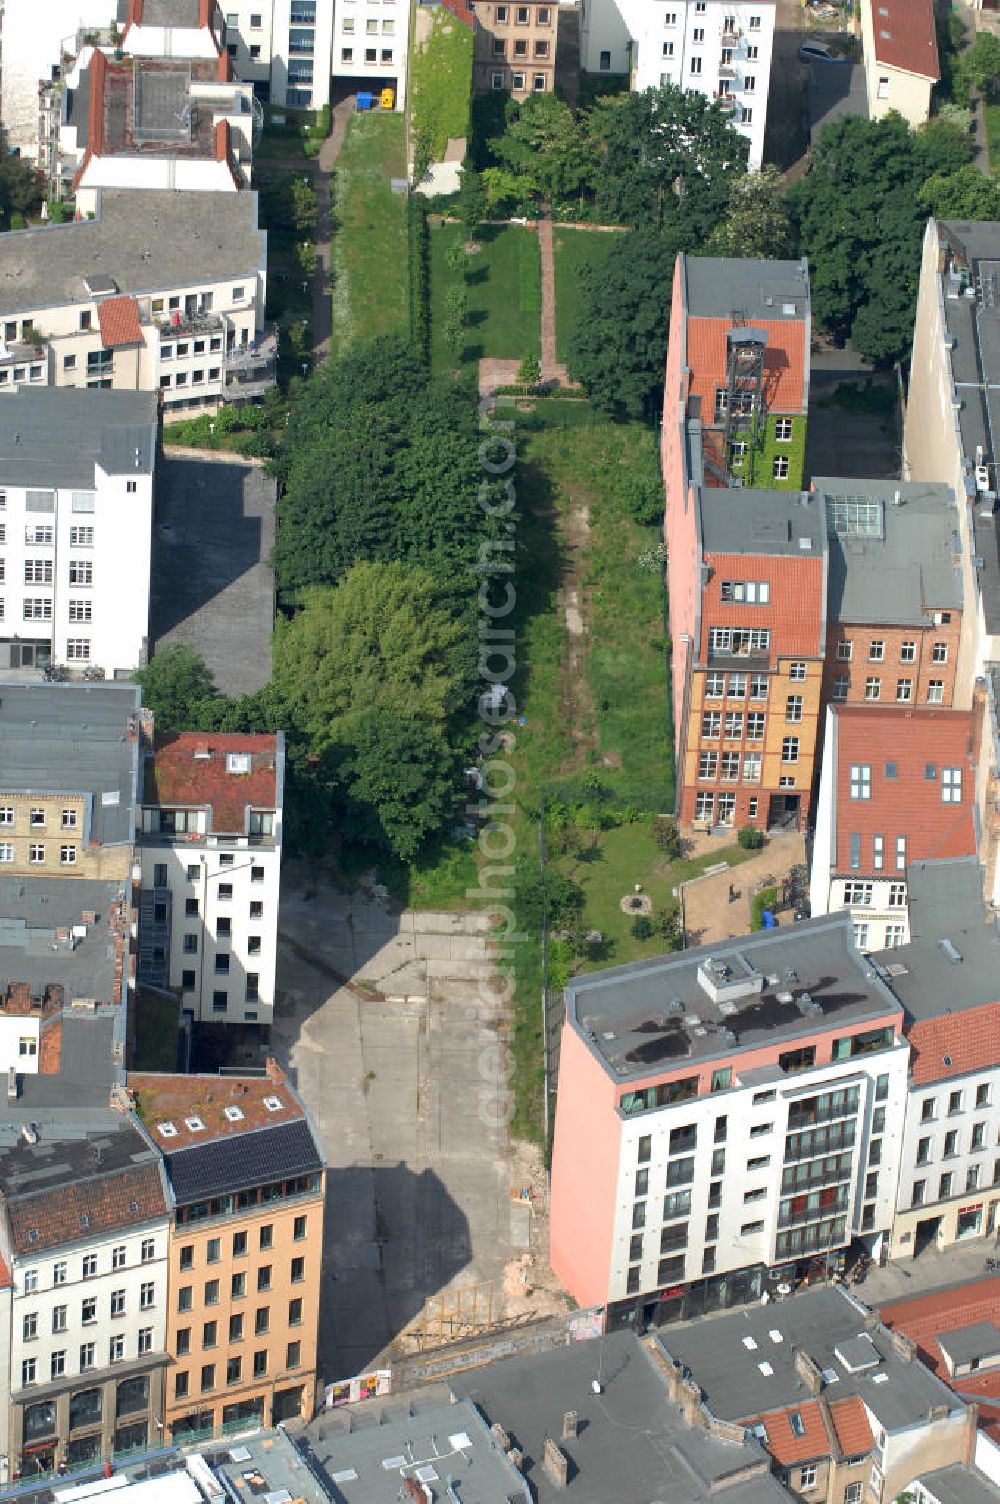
point(570, 1426)
point(500, 1436)
point(516, 1458)
point(556, 1463)
point(690, 1398)
point(904, 1347)
point(808, 1372)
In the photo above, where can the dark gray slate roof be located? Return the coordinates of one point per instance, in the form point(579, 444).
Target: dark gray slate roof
point(145, 241)
point(73, 739)
point(236, 1162)
point(54, 436)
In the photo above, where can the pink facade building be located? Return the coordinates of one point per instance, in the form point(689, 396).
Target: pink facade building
point(725, 1115)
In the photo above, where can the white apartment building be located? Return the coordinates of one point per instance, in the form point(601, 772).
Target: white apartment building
point(897, 787)
point(953, 412)
point(210, 864)
point(32, 41)
point(719, 48)
point(160, 292)
point(308, 53)
point(83, 1233)
point(724, 1117)
point(148, 123)
point(76, 509)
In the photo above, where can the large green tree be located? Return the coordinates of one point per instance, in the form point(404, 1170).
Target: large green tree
point(756, 221)
point(376, 674)
point(860, 221)
point(544, 144)
point(378, 461)
point(177, 686)
point(667, 158)
point(618, 347)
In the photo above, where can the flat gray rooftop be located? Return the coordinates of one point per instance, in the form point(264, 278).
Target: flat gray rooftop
point(211, 577)
point(971, 289)
point(53, 437)
point(633, 1445)
point(144, 241)
point(962, 1344)
point(73, 739)
point(718, 286)
point(368, 1453)
point(958, 1484)
point(73, 1102)
point(176, 13)
point(725, 1355)
point(894, 550)
point(653, 1016)
point(761, 522)
point(953, 960)
point(32, 909)
point(56, 1161)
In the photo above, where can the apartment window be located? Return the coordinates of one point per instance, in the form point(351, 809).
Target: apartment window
point(708, 764)
point(928, 1110)
point(983, 1095)
point(695, 65)
point(59, 1318)
point(900, 853)
point(894, 936)
point(148, 1251)
point(780, 460)
point(944, 1188)
point(844, 650)
point(256, 874)
point(347, 56)
point(145, 1342)
point(210, 1334)
point(939, 652)
point(81, 572)
point(711, 723)
point(605, 62)
point(876, 650)
point(954, 1103)
point(793, 708)
point(908, 652)
point(972, 1178)
point(919, 1188)
point(749, 87)
point(86, 1356)
point(704, 806)
point(951, 785)
point(861, 781)
point(923, 1150)
point(116, 1348)
point(841, 686)
point(668, 49)
point(645, 1150)
point(78, 648)
point(57, 1364)
point(935, 692)
point(698, 34)
point(36, 854)
point(978, 1136)
point(751, 592)
point(734, 725)
point(904, 690)
point(118, 1302)
point(746, 118)
point(293, 1355)
point(782, 426)
point(264, 1276)
point(873, 689)
point(790, 749)
point(207, 1377)
point(180, 1386)
point(147, 1296)
point(262, 1321)
point(238, 1286)
point(29, 1370)
point(6, 851)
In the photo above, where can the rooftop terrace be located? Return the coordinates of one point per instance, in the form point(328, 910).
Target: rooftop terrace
point(709, 1002)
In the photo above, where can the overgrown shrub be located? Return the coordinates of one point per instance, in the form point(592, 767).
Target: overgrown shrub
point(642, 927)
point(750, 838)
point(419, 290)
point(667, 837)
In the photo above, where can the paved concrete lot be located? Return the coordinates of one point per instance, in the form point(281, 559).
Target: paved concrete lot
point(842, 443)
point(212, 584)
point(419, 1193)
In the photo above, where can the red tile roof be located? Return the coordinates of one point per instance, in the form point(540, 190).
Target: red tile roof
point(119, 321)
point(782, 1442)
point(904, 36)
point(925, 1316)
point(176, 777)
point(909, 804)
point(794, 614)
point(784, 362)
point(850, 1421)
point(970, 1041)
point(205, 1099)
point(101, 1204)
point(461, 12)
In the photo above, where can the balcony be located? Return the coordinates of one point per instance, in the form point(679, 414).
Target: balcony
point(727, 105)
point(180, 323)
point(814, 1142)
point(264, 347)
point(242, 385)
point(798, 1211)
point(816, 1173)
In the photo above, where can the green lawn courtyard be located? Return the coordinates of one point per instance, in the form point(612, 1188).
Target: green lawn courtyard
point(574, 249)
point(503, 285)
point(370, 264)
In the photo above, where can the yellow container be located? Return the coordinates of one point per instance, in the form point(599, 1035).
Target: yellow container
point(387, 99)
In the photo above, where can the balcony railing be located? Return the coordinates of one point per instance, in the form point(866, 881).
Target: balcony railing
point(253, 383)
point(264, 347)
point(813, 1175)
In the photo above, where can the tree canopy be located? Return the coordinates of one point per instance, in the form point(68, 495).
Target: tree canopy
point(618, 348)
point(379, 461)
point(859, 218)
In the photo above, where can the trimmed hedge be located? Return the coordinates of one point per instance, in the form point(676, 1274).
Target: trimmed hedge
point(419, 290)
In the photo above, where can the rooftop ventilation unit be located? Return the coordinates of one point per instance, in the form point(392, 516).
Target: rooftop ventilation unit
point(676, 1006)
point(953, 954)
point(726, 981)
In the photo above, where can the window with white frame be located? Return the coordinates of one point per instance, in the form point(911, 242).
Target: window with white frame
point(751, 767)
point(844, 650)
point(730, 767)
point(873, 688)
point(900, 853)
point(904, 690)
point(78, 649)
point(951, 785)
point(790, 749)
point(841, 686)
point(876, 650)
point(704, 806)
point(755, 726)
point(939, 652)
point(780, 470)
point(726, 811)
point(734, 724)
point(711, 723)
point(714, 686)
point(895, 934)
point(752, 592)
point(861, 936)
point(858, 894)
point(935, 692)
point(908, 652)
point(782, 426)
point(861, 780)
point(797, 672)
point(878, 852)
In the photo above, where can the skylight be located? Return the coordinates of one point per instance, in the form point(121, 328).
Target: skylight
point(749, 1344)
point(234, 1114)
point(167, 1130)
point(854, 516)
point(194, 1124)
point(765, 1369)
point(273, 1104)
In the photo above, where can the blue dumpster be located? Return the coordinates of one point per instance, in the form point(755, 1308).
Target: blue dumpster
point(366, 101)
point(767, 920)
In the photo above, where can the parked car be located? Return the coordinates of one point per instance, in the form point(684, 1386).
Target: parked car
point(819, 52)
